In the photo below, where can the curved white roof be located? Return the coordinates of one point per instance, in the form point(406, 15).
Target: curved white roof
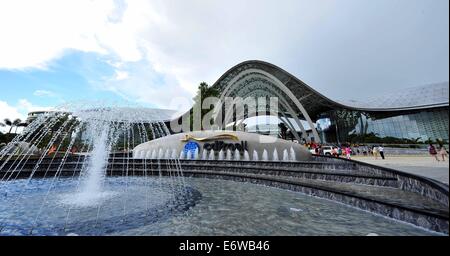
point(425, 96)
point(429, 95)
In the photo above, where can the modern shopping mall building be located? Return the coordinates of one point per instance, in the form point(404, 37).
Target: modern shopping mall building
point(415, 114)
point(412, 115)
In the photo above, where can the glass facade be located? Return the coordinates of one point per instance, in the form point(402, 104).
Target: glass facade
point(399, 127)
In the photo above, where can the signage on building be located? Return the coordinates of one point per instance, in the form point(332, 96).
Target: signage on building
point(217, 143)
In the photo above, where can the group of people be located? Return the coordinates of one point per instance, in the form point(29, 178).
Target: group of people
point(338, 151)
point(375, 151)
point(378, 150)
point(439, 152)
point(436, 152)
point(346, 150)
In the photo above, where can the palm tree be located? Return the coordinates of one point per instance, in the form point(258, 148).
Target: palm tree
point(16, 124)
point(204, 91)
point(8, 123)
point(2, 125)
point(283, 130)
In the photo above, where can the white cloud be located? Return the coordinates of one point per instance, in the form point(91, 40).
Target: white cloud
point(7, 111)
point(185, 47)
point(188, 47)
point(121, 75)
point(202, 43)
point(186, 42)
point(36, 32)
point(18, 111)
point(142, 84)
point(25, 106)
point(10, 112)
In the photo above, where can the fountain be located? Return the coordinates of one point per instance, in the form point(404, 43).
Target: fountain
point(91, 187)
point(174, 154)
point(211, 155)
point(189, 155)
point(246, 156)
point(221, 155)
point(229, 155)
point(205, 154)
point(265, 155)
point(237, 155)
point(286, 155)
point(119, 171)
point(275, 155)
point(166, 154)
point(255, 156)
point(182, 155)
point(85, 140)
point(195, 154)
point(292, 154)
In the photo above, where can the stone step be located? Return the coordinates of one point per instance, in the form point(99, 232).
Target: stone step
point(347, 176)
point(387, 194)
point(312, 166)
point(388, 201)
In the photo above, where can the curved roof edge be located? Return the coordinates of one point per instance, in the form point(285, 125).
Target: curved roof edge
point(367, 108)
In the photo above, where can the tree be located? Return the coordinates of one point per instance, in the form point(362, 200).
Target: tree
point(283, 130)
point(1, 133)
point(204, 91)
point(416, 140)
point(8, 123)
point(16, 124)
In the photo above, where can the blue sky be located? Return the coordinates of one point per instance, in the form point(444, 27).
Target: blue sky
point(155, 53)
point(67, 79)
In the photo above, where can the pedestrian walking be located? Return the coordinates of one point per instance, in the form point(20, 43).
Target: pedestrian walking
point(339, 151)
point(334, 152)
point(433, 152)
point(381, 151)
point(443, 152)
point(348, 152)
point(375, 152)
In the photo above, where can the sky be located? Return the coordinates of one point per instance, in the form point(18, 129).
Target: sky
point(155, 53)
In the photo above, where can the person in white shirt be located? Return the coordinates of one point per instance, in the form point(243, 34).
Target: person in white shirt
point(381, 151)
point(375, 152)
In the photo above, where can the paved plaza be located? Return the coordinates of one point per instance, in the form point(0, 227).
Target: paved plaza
point(419, 165)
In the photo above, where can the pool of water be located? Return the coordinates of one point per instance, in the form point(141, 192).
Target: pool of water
point(193, 206)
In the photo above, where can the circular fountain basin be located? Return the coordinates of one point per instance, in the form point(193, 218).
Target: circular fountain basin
point(44, 207)
point(157, 206)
